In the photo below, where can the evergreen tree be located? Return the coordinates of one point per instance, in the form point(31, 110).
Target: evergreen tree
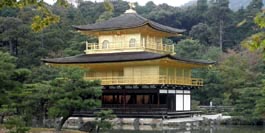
point(219, 16)
point(202, 5)
point(190, 49)
point(201, 32)
point(254, 7)
point(72, 93)
point(260, 105)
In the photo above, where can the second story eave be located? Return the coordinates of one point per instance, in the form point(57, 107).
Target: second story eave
point(125, 58)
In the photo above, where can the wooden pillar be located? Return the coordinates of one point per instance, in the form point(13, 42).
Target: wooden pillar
point(124, 100)
point(167, 75)
point(118, 99)
point(147, 43)
point(113, 99)
point(173, 49)
point(183, 76)
point(102, 100)
point(175, 75)
point(134, 98)
point(158, 99)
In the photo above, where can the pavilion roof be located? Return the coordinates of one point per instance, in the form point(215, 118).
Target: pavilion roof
point(120, 57)
point(126, 21)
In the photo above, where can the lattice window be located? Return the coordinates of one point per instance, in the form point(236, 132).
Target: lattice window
point(132, 43)
point(105, 44)
point(158, 44)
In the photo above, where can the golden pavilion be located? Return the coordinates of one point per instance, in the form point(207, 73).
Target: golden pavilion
point(140, 75)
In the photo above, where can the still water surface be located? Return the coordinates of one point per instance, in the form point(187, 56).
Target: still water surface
point(215, 129)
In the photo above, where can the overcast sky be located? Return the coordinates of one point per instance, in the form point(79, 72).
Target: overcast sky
point(142, 2)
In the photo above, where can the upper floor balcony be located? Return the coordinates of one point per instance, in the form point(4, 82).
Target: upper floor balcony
point(113, 47)
point(148, 80)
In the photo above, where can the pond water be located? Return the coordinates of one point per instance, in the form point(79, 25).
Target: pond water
point(213, 129)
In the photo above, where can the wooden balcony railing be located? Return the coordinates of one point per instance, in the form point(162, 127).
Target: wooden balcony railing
point(148, 80)
point(96, 48)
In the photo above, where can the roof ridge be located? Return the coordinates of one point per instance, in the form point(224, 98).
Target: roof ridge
point(141, 17)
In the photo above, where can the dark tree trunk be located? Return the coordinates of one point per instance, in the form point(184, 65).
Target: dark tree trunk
point(60, 125)
point(221, 32)
point(44, 119)
point(98, 129)
point(2, 119)
point(16, 49)
point(98, 126)
point(11, 47)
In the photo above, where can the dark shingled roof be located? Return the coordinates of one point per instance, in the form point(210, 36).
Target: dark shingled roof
point(119, 57)
point(125, 21)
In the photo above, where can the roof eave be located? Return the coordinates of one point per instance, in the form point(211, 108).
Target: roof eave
point(123, 28)
point(197, 62)
point(201, 63)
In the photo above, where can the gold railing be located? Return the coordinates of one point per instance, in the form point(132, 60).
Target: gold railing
point(96, 48)
point(148, 80)
point(161, 47)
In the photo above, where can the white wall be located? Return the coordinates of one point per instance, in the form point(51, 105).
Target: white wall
point(183, 102)
point(122, 39)
point(179, 102)
point(186, 102)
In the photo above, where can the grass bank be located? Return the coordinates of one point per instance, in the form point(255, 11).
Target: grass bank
point(45, 130)
point(51, 130)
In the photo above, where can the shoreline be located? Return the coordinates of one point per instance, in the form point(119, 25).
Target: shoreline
point(143, 124)
point(138, 123)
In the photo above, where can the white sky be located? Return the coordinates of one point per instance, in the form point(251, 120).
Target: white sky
point(142, 2)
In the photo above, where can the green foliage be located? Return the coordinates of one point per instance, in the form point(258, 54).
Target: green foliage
point(202, 5)
point(108, 13)
point(219, 9)
point(10, 30)
point(254, 7)
point(7, 68)
point(103, 120)
point(259, 19)
point(11, 89)
point(190, 49)
point(37, 102)
point(59, 39)
point(201, 32)
point(246, 74)
point(46, 94)
point(235, 80)
point(212, 89)
point(104, 16)
point(246, 103)
point(219, 19)
point(6, 110)
point(39, 22)
point(213, 53)
point(21, 75)
point(43, 73)
point(256, 41)
point(108, 6)
point(260, 104)
point(72, 93)
point(195, 105)
point(15, 124)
